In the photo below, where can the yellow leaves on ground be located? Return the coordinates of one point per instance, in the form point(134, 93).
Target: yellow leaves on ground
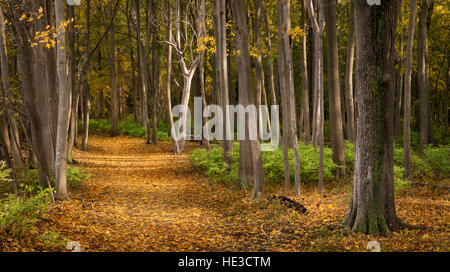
point(142, 198)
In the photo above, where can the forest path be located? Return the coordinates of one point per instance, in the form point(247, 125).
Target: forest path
point(141, 198)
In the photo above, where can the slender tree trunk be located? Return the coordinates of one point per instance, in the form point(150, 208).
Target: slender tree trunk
point(269, 55)
point(113, 76)
point(336, 127)
point(349, 104)
point(305, 120)
point(86, 93)
point(63, 104)
point(407, 91)
point(289, 87)
point(71, 79)
point(422, 76)
point(223, 77)
point(446, 95)
point(176, 149)
point(155, 72)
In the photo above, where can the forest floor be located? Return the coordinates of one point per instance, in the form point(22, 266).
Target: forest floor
point(142, 198)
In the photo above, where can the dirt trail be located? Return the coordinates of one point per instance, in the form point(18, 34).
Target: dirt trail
point(141, 198)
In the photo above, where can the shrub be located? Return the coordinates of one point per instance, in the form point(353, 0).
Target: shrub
point(54, 239)
point(273, 164)
point(129, 127)
point(18, 215)
point(76, 177)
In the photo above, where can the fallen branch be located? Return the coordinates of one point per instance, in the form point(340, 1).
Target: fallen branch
point(289, 202)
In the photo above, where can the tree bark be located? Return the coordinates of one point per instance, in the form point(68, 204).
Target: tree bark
point(336, 127)
point(113, 76)
point(253, 174)
point(422, 75)
point(407, 91)
point(372, 207)
point(349, 103)
point(63, 104)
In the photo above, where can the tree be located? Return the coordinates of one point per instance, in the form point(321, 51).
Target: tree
point(250, 150)
point(305, 129)
point(407, 91)
point(336, 127)
point(349, 103)
point(372, 207)
point(113, 75)
point(86, 105)
point(317, 22)
point(12, 121)
point(63, 104)
point(423, 75)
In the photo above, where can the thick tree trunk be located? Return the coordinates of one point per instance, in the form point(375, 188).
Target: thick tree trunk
point(372, 207)
point(336, 127)
point(254, 173)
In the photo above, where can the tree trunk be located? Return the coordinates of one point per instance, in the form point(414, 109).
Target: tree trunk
point(289, 92)
point(86, 106)
point(349, 103)
point(176, 149)
point(63, 104)
point(305, 120)
point(113, 76)
point(422, 75)
point(372, 207)
point(253, 174)
point(407, 91)
point(227, 144)
point(336, 127)
point(155, 72)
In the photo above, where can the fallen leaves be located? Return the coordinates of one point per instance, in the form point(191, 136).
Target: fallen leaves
point(142, 198)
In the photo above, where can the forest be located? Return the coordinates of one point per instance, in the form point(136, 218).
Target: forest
point(224, 125)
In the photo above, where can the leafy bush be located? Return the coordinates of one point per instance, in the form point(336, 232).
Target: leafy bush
point(439, 160)
point(273, 164)
point(54, 239)
point(129, 127)
point(76, 177)
point(434, 163)
point(18, 215)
